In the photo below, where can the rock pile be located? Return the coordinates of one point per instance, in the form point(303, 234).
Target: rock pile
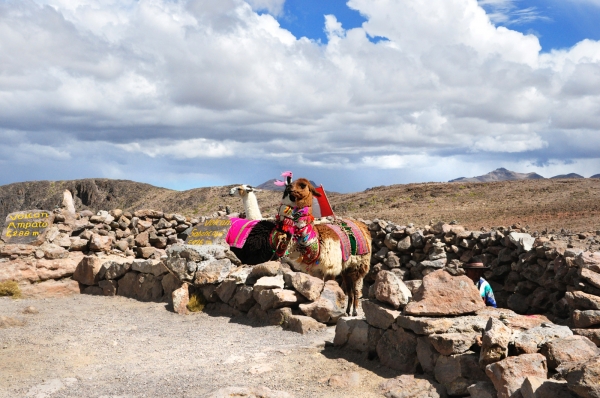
point(460, 347)
point(528, 275)
point(44, 269)
point(270, 292)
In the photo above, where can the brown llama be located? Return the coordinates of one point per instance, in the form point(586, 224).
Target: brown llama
point(329, 263)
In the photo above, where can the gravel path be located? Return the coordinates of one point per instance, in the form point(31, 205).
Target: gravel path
point(92, 346)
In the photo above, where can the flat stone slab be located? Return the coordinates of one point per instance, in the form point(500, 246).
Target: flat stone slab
point(443, 294)
point(379, 315)
point(453, 343)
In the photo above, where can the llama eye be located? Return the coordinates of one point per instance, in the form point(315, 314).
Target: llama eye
point(302, 186)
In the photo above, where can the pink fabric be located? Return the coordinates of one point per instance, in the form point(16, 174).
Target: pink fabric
point(362, 246)
point(344, 240)
point(239, 231)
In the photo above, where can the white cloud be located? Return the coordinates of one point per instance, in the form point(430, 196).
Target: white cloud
point(274, 7)
point(213, 81)
point(508, 12)
point(194, 148)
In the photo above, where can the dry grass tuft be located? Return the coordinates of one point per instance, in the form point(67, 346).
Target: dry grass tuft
point(10, 288)
point(197, 302)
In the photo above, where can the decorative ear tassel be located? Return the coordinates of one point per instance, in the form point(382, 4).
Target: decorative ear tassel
point(279, 183)
point(286, 174)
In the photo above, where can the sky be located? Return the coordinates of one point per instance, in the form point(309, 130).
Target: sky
point(351, 94)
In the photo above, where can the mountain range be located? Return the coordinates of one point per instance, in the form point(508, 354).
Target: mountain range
point(502, 174)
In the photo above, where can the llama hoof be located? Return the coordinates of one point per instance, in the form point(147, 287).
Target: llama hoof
point(354, 313)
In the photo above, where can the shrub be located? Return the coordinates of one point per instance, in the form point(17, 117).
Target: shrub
point(196, 303)
point(10, 288)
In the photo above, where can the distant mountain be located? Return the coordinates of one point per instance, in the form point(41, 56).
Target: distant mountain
point(270, 186)
point(500, 174)
point(595, 176)
point(570, 175)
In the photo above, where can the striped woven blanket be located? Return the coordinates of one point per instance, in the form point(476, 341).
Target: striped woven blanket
point(352, 240)
point(239, 231)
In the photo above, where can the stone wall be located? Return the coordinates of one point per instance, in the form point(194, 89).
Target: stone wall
point(528, 274)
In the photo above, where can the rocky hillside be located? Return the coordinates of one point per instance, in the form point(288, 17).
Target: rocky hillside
point(540, 204)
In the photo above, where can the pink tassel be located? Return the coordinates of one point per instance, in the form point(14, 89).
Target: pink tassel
point(279, 183)
point(286, 174)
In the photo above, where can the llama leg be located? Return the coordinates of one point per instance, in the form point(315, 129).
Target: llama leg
point(356, 292)
point(349, 291)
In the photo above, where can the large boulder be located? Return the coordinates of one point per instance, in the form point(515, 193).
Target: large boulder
point(453, 343)
point(352, 333)
point(115, 268)
point(509, 374)
point(426, 354)
point(569, 349)
point(49, 289)
point(226, 290)
point(443, 294)
point(585, 319)
point(458, 372)
point(536, 387)
point(582, 301)
point(181, 298)
point(427, 325)
point(277, 298)
point(390, 289)
point(589, 261)
point(143, 287)
point(88, 271)
point(530, 341)
point(582, 377)
point(243, 298)
point(307, 285)
point(212, 271)
point(154, 267)
point(522, 240)
point(397, 349)
point(329, 307)
point(482, 389)
point(592, 334)
point(99, 243)
point(494, 344)
point(379, 315)
point(303, 324)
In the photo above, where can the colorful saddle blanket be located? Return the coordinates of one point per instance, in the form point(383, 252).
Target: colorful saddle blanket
point(352, 240)
point(239, 231)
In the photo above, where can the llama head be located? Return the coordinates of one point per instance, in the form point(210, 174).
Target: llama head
point(286, 199)
point(242, 190)
point(302, 192)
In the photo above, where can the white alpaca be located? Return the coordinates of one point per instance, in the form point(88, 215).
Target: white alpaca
point(246, 192)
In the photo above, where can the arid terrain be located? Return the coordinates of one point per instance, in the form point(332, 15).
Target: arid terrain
point(572, 204)
point(91, 346)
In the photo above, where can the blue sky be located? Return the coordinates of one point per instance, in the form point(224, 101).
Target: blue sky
point(189, 93)
point(557, 23)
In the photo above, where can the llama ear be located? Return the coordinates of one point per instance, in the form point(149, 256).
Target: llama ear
point(314, 191)
point(256, 190)
point(289, 179)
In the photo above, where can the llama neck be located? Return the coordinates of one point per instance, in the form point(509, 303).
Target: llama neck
point(251, 207)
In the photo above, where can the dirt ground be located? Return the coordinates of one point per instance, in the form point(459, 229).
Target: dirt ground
point(92, 346)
